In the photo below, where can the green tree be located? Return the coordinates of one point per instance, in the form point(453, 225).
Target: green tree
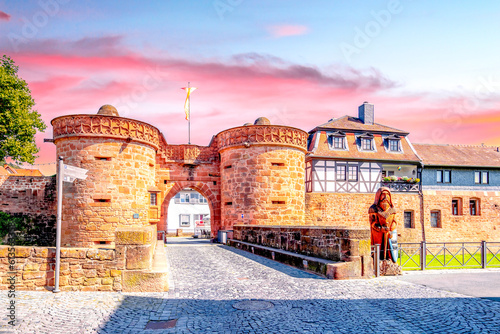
point(18, 121)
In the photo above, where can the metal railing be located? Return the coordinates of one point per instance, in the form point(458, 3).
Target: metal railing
point(438, 255)
point(401, 186)
point(203, 232)
point(376, 259)
point(432, 255)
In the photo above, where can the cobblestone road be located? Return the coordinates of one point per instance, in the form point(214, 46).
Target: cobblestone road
point(209, 281)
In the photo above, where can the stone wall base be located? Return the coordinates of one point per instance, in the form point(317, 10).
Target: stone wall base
point(127, 267)
point(335, 252)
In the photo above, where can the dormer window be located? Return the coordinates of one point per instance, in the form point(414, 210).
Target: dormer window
point(337, 141)
point(394, 143)
point(366, 142)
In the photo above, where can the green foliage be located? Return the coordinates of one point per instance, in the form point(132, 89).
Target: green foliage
point(26, 230)
point(18, 121)
point(3, 162)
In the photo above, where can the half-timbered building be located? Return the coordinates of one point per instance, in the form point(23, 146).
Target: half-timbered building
point(354, 155)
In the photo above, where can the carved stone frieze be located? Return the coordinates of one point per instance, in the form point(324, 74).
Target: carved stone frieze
point(247, 135)
point(106, 126)
point(188, 153)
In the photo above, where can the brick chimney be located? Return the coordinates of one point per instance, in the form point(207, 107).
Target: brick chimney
point(366, 113)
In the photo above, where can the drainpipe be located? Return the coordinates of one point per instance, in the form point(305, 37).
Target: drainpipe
point(422, 207)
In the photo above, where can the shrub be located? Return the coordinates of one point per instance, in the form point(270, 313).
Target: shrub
point(27, 230)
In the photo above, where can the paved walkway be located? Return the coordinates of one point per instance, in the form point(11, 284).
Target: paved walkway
point(472, 282)
point(209, 281)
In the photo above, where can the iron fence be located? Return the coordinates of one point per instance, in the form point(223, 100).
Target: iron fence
point(436, 255)
point(430, 255)
point(376, 259)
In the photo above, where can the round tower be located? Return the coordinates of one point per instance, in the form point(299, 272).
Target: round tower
point(262, 174)
point(119, 154)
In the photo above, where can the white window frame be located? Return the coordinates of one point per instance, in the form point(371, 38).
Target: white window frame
point(182, 223)
point(339, 172)
point(482, 176)
point(367, 140)
point(356, 173)
point(397, 142)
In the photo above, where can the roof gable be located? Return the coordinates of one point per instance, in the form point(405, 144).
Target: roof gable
point(350, 123)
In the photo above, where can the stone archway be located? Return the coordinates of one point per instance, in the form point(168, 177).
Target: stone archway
point(206, 190)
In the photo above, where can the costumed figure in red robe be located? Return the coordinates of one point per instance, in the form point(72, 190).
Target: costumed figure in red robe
point(383, 224)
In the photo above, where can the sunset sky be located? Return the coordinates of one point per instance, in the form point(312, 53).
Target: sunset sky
point(431, 68)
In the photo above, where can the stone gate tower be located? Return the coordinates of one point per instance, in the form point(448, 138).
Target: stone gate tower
point(120, 156)
point(263, 174)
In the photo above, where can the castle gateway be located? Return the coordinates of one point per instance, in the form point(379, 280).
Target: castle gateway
point(253, 174)
point(265, 174)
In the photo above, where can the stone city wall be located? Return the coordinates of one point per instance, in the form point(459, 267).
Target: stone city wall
point(30, 195)
point(115, 193)
point(188, 166)
point(262, 172)
point(87, 269)
point(120, 156)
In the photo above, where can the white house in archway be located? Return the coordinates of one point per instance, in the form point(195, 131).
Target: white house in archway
point(188, 211)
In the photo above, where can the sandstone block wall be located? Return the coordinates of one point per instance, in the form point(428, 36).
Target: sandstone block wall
point(188, 166)
point(351, 210)
point(86, 269)
point(343, 244)
point(262, 185)
point(463, 227)
point(81, 269)
point(120, 173)
point(31, 195)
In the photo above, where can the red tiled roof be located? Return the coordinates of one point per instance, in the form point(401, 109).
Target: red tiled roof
point(6, 170)
point(323, 150)
point(355, 124)
point(458, 155)
point(28, 172)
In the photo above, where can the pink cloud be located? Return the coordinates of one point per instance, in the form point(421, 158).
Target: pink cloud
point(285, 30)
point(4, 16)
point(235, 91)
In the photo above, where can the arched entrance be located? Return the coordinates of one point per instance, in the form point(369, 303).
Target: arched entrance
point(207, 190)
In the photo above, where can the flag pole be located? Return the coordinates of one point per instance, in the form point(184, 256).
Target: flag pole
point(189, 111)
